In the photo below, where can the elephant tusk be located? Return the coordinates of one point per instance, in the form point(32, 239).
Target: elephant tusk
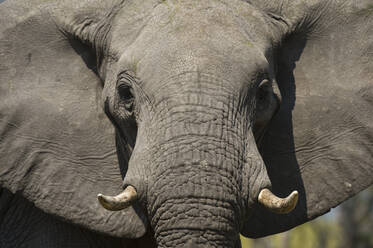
point(276, 204)
point(119, 202)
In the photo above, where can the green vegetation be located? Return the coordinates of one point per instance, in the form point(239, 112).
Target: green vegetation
point(317, 234)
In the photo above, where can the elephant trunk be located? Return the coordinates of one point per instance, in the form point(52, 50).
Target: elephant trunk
point(194, 228)
point(197, 193)
point(195, 205)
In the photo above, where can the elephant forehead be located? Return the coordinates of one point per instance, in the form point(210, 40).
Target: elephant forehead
point(189, 17)
point(194, 37)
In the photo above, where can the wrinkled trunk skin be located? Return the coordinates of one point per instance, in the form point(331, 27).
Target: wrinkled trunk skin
point(198, 183)
point(196, 202)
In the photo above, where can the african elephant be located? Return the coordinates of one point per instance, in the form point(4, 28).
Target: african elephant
point(219, 113)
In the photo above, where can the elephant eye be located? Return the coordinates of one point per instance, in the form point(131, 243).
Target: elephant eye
point(124, 92)
point(126, 96)
point(264, 90)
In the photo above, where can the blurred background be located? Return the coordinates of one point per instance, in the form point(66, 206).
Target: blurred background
point(350, 225)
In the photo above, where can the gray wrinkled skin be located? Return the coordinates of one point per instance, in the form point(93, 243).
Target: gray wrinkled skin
point(208, 102)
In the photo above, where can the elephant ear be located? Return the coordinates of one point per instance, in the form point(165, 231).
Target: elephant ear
point(57, 147)
point(321, 140)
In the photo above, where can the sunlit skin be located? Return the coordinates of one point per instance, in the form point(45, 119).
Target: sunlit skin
point(180, 123)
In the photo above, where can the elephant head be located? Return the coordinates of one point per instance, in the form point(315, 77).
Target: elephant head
point(214, 105)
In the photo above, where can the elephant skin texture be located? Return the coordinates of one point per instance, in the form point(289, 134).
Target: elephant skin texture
point(208, 114)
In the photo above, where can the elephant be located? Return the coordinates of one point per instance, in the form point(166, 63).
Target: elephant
point(205, 119)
